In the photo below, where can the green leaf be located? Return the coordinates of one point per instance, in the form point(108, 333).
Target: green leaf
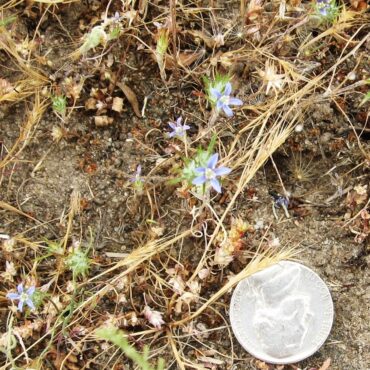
point(5, 21)
point(114, 33)
point(59, 103)
point(218, 83)
point(78, 262)
point(365, 99)
point(94, 38)
point(118, 338)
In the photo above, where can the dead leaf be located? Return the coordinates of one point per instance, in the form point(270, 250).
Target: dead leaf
point(254, 10)
point(184, 59)
point(131, 97)
point(90, 104)
point(261, 365)
point(209, 41)
point(326, 364)
point(359, 5)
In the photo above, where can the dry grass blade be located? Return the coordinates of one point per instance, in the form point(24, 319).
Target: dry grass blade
point(142, 254)
point(53, 2)
point(32, 81)
point(10, 208)
point(10, 4)
point(33, 118)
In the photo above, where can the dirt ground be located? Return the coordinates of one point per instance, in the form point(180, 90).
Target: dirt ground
point(322, 163)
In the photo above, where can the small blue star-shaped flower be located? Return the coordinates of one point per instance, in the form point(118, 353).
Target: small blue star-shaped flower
point(178, 130)
point(137, 177)
point(223, 99)
point(23, 296)
point(324, 7)
point(209, 174)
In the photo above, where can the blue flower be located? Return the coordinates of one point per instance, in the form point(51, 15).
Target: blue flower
point(281, 201)
point(209, 174)
point(179, 130)
point(223, 99)
point(327, 9)
point(137, 178)
point(324, 7)
point(24, 296)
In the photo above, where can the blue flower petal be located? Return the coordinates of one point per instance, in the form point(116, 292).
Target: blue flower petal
point(215, 93)
point(228, 89)
point(31, 290)
point(200, 170)
point(212, 161)
point(235, 101)
point(186, 127)
point(13, 296)
point(172, 125)
point(20, 306)
point(228, 111)
point(178, 121)
point(222, 171)
point(171, 134)
point(216, 185)
point(30, 304)
point(199, 180)
point(220, 105)
point(20, 288)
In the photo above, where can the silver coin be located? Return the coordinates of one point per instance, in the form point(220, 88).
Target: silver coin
point(282, 314)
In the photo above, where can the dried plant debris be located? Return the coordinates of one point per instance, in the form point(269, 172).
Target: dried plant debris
point(153, 154)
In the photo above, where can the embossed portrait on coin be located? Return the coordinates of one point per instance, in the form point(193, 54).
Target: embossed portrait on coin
point(282, 312)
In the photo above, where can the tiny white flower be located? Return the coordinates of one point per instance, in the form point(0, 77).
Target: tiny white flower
point(177, 284)
point(360, 189)
point(274, 243)
point(299, 128)
point(194, 287)
point(223, 256)
point(259, 225)
point(203, 273)
point(9, 244)
point(154, 317)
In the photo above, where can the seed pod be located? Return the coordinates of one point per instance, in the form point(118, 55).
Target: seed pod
point(103, 121)
point(117, 104)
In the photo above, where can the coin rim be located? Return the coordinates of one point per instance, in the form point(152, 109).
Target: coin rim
point(294, 358)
